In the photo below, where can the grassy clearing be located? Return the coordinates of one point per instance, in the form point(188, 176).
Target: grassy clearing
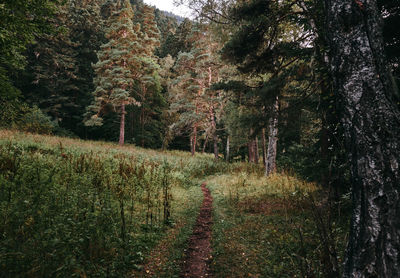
point(73, 208)
point(79, 208)
point(266, 227)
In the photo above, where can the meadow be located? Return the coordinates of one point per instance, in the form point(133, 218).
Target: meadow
point(74, 208)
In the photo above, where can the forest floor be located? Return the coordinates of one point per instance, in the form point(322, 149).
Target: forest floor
point(198, 255)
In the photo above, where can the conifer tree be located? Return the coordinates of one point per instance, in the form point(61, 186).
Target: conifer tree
point(114, 78)
point(197, 71)
point(53, 66)
point(268, 48)
point(147, 80)
point(20, 22)
point(59, 75)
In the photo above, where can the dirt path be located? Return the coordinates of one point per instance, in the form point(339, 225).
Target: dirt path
point(198, 255)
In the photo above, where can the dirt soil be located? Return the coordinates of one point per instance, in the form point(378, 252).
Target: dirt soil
point(198, 255)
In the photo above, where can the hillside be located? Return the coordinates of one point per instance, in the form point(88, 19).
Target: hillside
point(97, 208)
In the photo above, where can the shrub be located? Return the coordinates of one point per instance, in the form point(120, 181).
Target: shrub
point(15, 114)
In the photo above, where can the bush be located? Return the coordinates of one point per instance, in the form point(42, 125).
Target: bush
point(15, 114)
point(35, 121)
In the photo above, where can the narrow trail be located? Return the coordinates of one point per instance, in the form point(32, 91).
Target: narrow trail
point(198, 255)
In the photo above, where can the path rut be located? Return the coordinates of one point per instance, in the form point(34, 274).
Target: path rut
point(198, 255)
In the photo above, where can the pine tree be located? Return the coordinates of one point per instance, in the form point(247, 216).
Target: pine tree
point(147, 79)
point(178, 42)
point(20, 22)
point(53, 64)
point(114, 78)
point(59, 76)
point(197, 71)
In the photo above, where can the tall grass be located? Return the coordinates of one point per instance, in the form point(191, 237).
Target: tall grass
point(274, 227)
point(80, 208)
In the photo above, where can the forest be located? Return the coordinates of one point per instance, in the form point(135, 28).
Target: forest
point(259, 138)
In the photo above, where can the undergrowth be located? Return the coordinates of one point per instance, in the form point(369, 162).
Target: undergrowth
point(274, 227)
point(78, 208)
point(73, 208)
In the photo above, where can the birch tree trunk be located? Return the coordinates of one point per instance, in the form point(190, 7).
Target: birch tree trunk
point(270, 165)
point(264, 148)
point(122, 125)
point(214, 132)
point(371, 122)
point(227, 148)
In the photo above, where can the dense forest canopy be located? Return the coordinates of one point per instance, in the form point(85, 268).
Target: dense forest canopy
point(305, 86)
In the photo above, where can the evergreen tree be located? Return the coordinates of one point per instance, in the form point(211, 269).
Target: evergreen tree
point(114, 78)
point(197, 71)
point(53, 70)
point(147, 81)
point(59, 76)
point(178, 42)
point(20, 22)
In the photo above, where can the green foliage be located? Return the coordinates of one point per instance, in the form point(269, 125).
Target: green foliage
point(18, 115)
point(35, 121)
point(177, 42)
point(273, 227)
point(94, 209)
point(20, 22)
point(116, 57)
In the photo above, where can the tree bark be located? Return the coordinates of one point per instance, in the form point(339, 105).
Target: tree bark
point(142, 118)
point(194, 140)
point(122, 125)
point(214, 132)
point(264, 149)
point(250, 150)
point(270, 166)
point(227, 148)
point(205, 144)
point(371, 122)
point(256, 154)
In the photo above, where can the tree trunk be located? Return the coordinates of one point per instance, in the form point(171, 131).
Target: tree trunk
point(205, 144)
point(256, 154)
point(142, 116)
point(250, 149)
point(270, 166)
point(214, 132)
point(194, 140)
point(371, 122)
point(264, 149)
point(250, 146)
point(122, 126)
point(191, 143)
point(227, 149)
point(216, 153)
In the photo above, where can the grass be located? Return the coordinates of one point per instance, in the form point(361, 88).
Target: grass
point(81, 208)
point(265, 227)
